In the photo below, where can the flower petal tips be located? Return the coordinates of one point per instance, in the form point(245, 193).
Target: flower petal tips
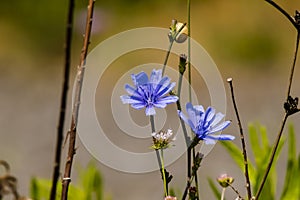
point(205, 122)
point(149, 93)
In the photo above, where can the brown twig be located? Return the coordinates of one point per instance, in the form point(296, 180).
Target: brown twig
point(78, 85)
point(236, 191)
point(248, 184)
point(289, 112)
point(289, 17)
point(197, 161)
point(63, 101)
point(293, 66)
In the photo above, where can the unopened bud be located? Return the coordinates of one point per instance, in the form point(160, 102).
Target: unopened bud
point(225, 180)
point(182, 63)
point(182, 31)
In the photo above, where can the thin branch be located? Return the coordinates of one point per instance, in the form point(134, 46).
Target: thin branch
point(63, 101)
point(294, 21)
point(80, 74)
point(272, 157)
point(190, 152)
point(189, 49)
point(196, 176)
point(288, 111)
point(293, 66)
point(290, 18)
point(181, 70)
point(236, 191)
point(167, 57)
point(197, 161)
point(248, 184)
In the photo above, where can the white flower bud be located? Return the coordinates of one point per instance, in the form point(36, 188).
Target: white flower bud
point(183, 34)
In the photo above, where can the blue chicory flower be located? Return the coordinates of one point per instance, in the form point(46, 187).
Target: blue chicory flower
point(205, 122)
point(149, 93)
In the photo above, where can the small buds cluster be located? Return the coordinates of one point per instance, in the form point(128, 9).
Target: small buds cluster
point(162, 139)
point(178, 32)
point(197, 161)
point(225, 180)
point(291, 105)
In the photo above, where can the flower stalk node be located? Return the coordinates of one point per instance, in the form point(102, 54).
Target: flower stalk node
point(197, 161)
point(291, 105)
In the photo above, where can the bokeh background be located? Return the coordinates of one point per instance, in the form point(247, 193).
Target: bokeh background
point(248, 40)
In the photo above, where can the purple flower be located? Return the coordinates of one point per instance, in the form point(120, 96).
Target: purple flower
point(149, 93)
point(205, 122)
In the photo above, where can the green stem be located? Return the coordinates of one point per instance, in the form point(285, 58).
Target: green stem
point(190, 83)
point(170, 47)
point(160, 158)
point(196, 175)
point(167, 57)
point(179, 85)
point(223, 193)
point(187, 138)
point(189, 48)
point(163, 171)
point(152, 123)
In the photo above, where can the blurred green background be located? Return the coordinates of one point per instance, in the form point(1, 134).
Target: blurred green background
point(249, 41)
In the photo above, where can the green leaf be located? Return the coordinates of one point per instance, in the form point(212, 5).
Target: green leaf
point(90, 187)
point(91, 181)
point(255, 144)
point(291, 184)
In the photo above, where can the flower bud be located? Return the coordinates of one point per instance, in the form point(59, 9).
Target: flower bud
point(225, 180)
point(182, 32)
point(182, 63)
point(178, 32)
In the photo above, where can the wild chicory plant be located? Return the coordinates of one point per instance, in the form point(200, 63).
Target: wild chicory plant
point(161, 141)
point(149, 93)
point(204, 123)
